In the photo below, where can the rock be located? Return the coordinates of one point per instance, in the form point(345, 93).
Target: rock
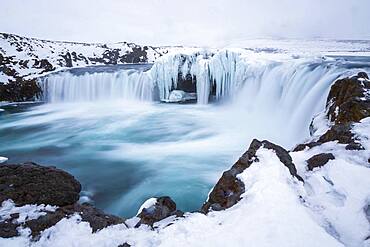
point(124, 245)
point(7, 228)
point(319, 160)
point(179, 96)
point(228, 190)
point(30, 183)
point(347, 101)
point(187, 83)
point(20, 90)
point(162, 208)
point(301, 147)
point(96, 218)
point(367, 212)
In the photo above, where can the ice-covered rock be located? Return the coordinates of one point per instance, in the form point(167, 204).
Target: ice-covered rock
point(157, 209)
point(179, 96)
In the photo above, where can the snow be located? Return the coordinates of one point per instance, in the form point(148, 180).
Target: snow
point(261, 218)
point(26, 212)
point(3, 159)
point(147, 204)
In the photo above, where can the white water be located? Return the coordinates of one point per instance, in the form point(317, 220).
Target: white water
point(124, 84)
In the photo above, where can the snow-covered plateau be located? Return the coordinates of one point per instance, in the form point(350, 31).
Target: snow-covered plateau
point(311, 98)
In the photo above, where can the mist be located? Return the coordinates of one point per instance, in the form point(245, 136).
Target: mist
point(191, 22)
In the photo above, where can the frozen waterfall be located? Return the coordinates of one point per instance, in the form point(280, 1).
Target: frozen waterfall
point(279, 81)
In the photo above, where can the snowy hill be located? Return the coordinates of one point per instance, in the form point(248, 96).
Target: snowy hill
point(28, 57)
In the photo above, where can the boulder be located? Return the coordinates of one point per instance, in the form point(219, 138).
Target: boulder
point(228, 190)
point(161, 209)
point(179, 96)
point(347, 101)
point(95, 217)
point(30, 183)
point(319, 160)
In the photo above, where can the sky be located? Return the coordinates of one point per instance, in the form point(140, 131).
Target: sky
point(185, 22)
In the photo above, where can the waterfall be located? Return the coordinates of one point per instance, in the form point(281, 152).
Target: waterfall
point(119, 85)
point(252, 79)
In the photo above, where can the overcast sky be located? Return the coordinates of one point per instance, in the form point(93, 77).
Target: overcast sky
point(185, 22)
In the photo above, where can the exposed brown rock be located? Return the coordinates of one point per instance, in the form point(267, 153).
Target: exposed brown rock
point(30, 183)
point(163, 208)
point(347, 103)
point(20, 90)
point(96, 218)
point(319, 160)
point(228, 190)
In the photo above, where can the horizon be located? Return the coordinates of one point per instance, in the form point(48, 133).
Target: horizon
point(168, 23)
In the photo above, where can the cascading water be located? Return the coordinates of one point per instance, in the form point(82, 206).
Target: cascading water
point(125, 152)
point(120, 85)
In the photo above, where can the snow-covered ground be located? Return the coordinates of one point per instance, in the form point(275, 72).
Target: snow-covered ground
point(26, 54)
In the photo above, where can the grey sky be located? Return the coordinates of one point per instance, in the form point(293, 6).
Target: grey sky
point(186, 22)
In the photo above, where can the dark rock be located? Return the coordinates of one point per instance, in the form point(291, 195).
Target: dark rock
point(347, 101)
point(363, 75)
point(302, 147)
point(20, 90)
point(8, 229)
point(228, 190)
point(367, 212)
point(319, 160)
point(30, 183)
point(187, 84)
point(124, 245)
point(163, 208)
point(43, 64)
point(341, 133)
point(284, 157)
point(346, 104)
point(96, 218)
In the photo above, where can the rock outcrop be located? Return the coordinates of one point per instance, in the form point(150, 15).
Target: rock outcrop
point(348, 102)
point(319, 160)
point(164, 207)
point(229, 188)
point(30, 183)
point(20, 90)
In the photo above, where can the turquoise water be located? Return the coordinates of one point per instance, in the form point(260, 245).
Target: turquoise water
point(123, 152)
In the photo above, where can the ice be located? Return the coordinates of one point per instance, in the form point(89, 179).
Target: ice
point(3, 159)
point(26, 212)
point(147, 204)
